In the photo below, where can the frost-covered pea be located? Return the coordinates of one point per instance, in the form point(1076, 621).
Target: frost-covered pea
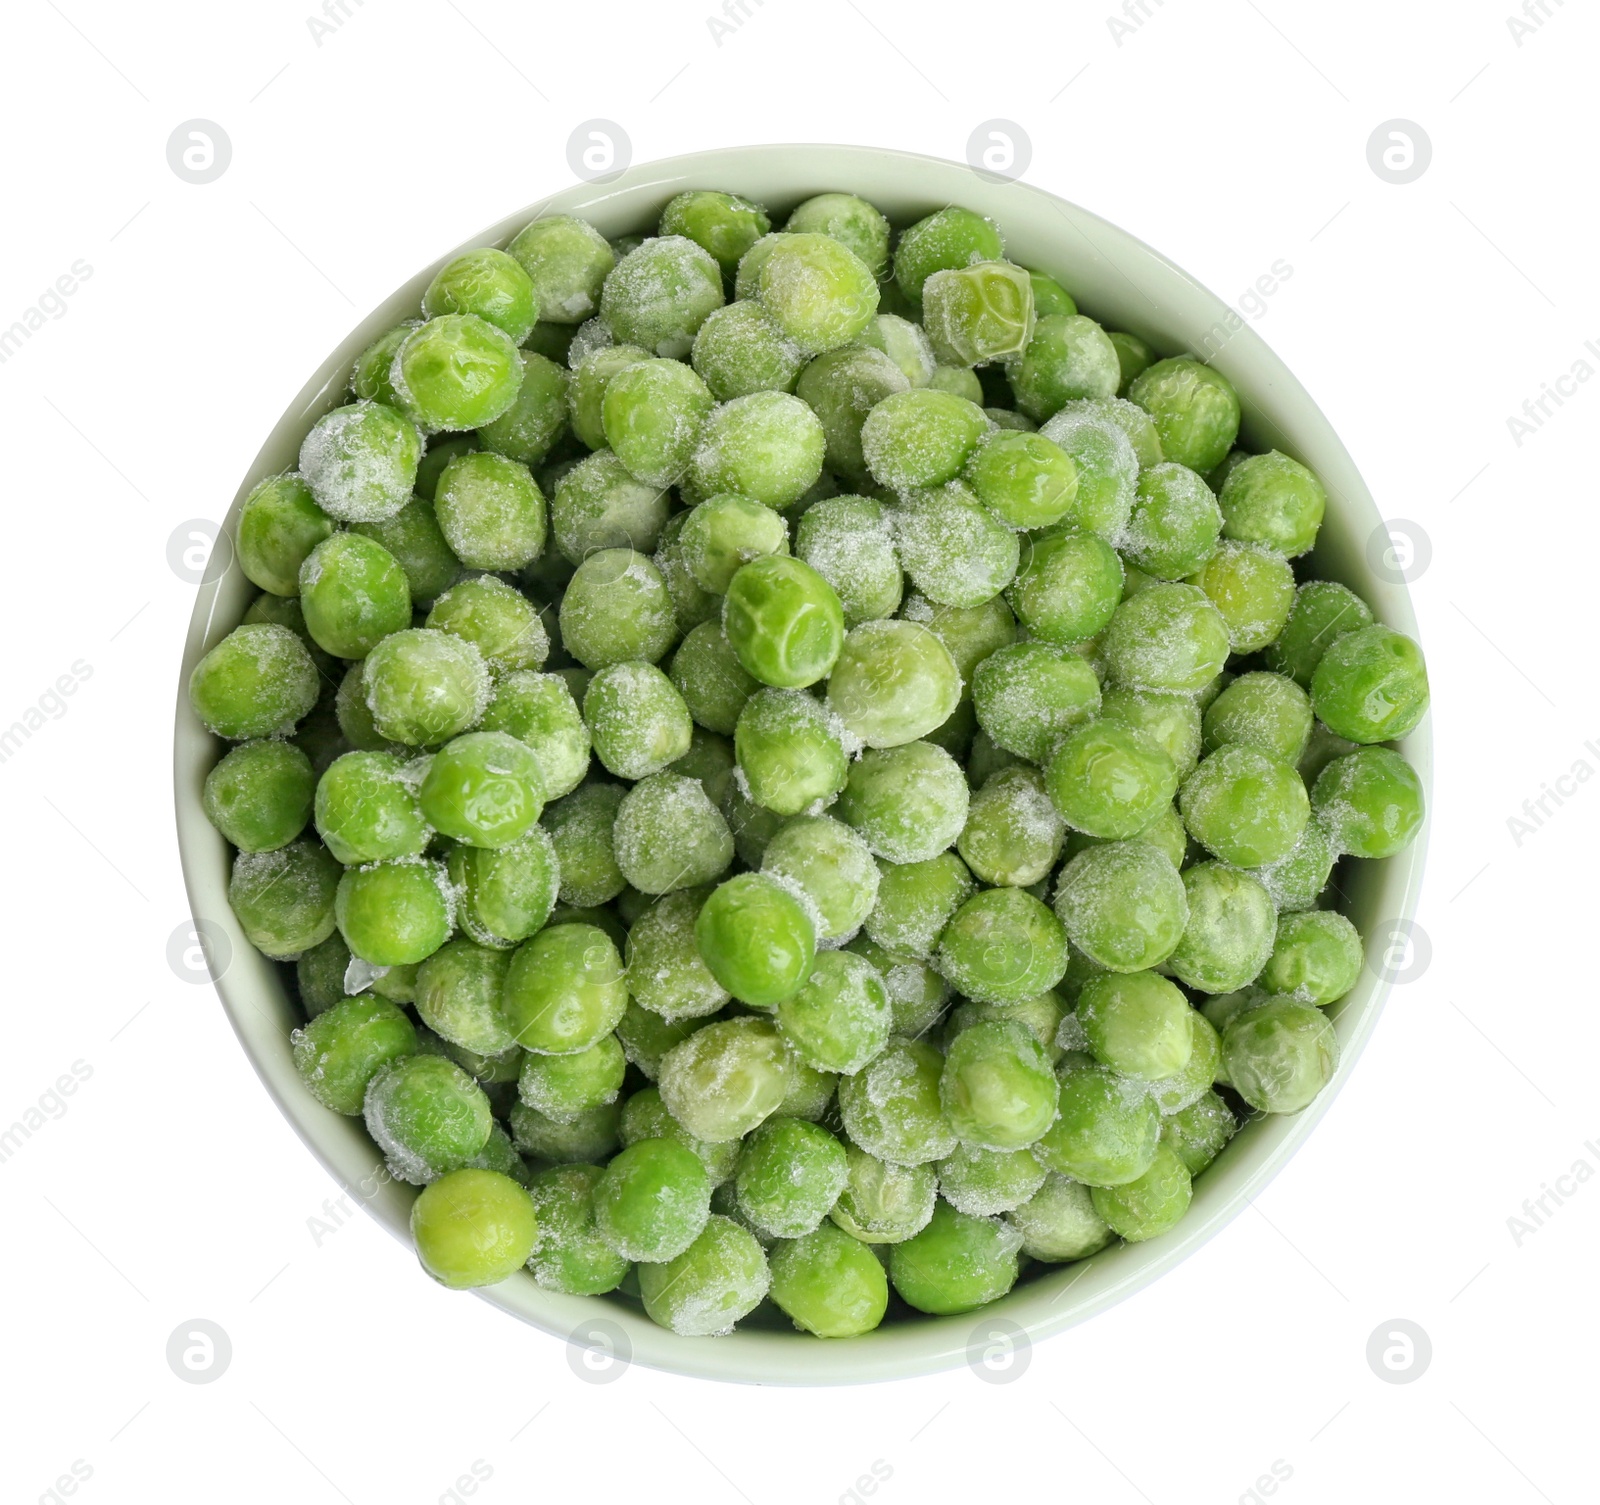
point(279, 524)
point(346, 1045)
point(567, 261)
point(567, 1087)
point(921, 437)
point(1002, 946)
point(829, 1283)
point(1370, 802)
point(1013, 833)
point(538, 709)
point(659, 294)
point(884, 1203)
point(790, 751)
point(1059, 1222)
point(1253, 588)
point(1244, 806)
point(817, 290)
point(721, 1277)
point(505, 894)
point(725, 224)
point(1173, 527)
point(491, 511)
point(1272, 501)
point(951, 237)
point(638, 721)
point(1323, 612)
point(724, 533)
point(414, 537)
point(790, 1174)
point(427, 1116)
point(842, 387)
point(564, 990)
point(978, 313)
point(666, 973)
point(651, 414)
point(840, 1018)
point(851, 221)
point(1030, 696)
point(1371, 685)
point(726, 1078)
point(598, 505)
point(1269, 712)
point(1280, 1054)
point(849, 541)
point(757, 939)
point(1230, 931)
point(909, 803)
point(1123, 905)
point(1195, 408)
point(1107, 1131)
point(893, 683)
point(668, 835)
point(260, 795)
point(831, 867)
point(360, 461)
point(1068, 357)
point(891, 1108)
point(354, 594)
point(739, 350)
point(1169, 637)
point(768, 446)
point(956, 1263)
point(568, 1253)
point(616, 608)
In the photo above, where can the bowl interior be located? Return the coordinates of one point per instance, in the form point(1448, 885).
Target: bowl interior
point(1125, 285)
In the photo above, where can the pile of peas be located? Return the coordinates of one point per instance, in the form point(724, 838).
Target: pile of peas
point(791, 772)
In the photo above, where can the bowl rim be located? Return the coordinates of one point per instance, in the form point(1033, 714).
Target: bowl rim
point(1277, 409)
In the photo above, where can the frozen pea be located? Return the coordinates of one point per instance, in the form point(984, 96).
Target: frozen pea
point(959, 381)
point(757, 939)
point(726, 1078)
point(1002, 946)
point(441, 449)
point(651, 413)
point(708, 675)
point(319, 975)
point(1150, 1204)
point(369, 376)
point(1110, 781)
point(1040, 1015)
point(354, 594)
point(592, 334)
point(951, 237)
point(1136, 1023)
point(1123, 905)
point(258, 681)
point(652, 1200)
point(840, 1018)
point(458, 996)
point(279, 524)
point(1371, 685)
point(1068, 357)
point(284, 899)
point(456, 371)
point(1252, 588)
point(1025, 479)
point(997, 1088)
point(497, 619)
point(916, 900)
point(505, 895)
point(538, 709)
point(739, 350)
point(564, 990)
point(1316, 957)
point(920, 437)
point(909, 803)
point(724, 224)
point(1013, 834)
point(817, 290)
point(1244, 806)
point(1370, 802)
point(421, 686)
point(417, 542)
point(427, 1116)
point(1173, 528)
point(724, 533)
point(784, 622)
point(658, 295)
point(955, 1264)
point(1195, 408)
point(568, 1253)
point(768, 446)
point(721, 1277)
point(810, 1093)
point(1059, 1222)
point(1198, 1134)
point(1169, 637)
point(849, 542)
point(906, 344)
point(1107, 1132)
point(360, 461)
point(491, 511)
point(829, 1283)
point(1032, 695)
point(617, 608)
point(851, 221)
point(367, 808)
point(789, 750)
point(489, 283)
point(1272, 501)
point(339, 1052)
point(567, 260)
point(842, 387)
point(1049, 297)
point(1230, 931)
point(645, 1116)
point(638, 721)
point(884, 1203)
point(831, 866)
point(1137, 424)
point(894, 682)
point(473, 1228)
point(692, 605)
point(397, 983)
point(747, 279)
point(891, 1108)
point(587, 1139)
point(482, 788)
point(955, 551)
point(668, 835)
point(753, 825)
point(790, 1174)
point(1107, 468)
point(982, 1183)
point(566, 1087)
point(394, 913)
point(978, 313)
point(666, 973)
point(260, 795)
point(1269, 712)
point(1323, 612)
point(599, 505)
point(1280, 1054)
point(1171, 720)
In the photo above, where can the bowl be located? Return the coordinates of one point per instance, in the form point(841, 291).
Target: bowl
point(1117, 280)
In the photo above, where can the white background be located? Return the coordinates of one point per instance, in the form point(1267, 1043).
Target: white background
point(1230, 135)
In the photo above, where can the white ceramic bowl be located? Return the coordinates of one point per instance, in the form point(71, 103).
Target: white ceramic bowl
point(1118, 281)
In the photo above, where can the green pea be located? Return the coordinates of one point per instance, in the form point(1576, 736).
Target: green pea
point(319, 975)
point(1069, 357)
point(817, 291)
point(473, 1228)
point(1026, 480)
point(360, 461)
point(891, 1108)
point(1107, 1132)
point(1269, 712)
point(638, 721)
point(420, 686)
point(482, 788)
point(971, 633)
point(1169, 637)
point(564, 990)
point(1244, 806)
point(831, 867)
point(768, 446)
point(367, 808)
point(724, 533)
point(505, 894)
point(1031, 695)
point(260, 795)
point(1110, 781)
point(1059, 1222)
point(490, 511)
point(354, 594)
point(539, 710)
point(950, 238)
point(921, 438)
point(704, 1291)
point(840, 1018)
point(1316, 957)
point(1280, 1055)
point(1370, 802)
point(415, 539)
point(1197, 1134)
point(568, 1253)
point(658, 295)
point(1195, 408)
point(1252, 588)
point(647, 1037)
point(783, 621)
point(1002, 946)
point(1230, 931)
point(893, 683)
point(1134, 356)
point(997, 1088)
point(456, 371)
point(955, 551)
point(983, 1182)
point(369, 376)
point(279, 524)
point(1173, 528)
point(829, 1283)
point(905, 343)
point(283, 899)
point(915, 902)
point(427, 1116)
point(909, 803)
point(1296, 881)
point(258, 681)
point(651, 413)
point(1371, 685)
point(883, 1203)
point(790, 1174)
point(1323, 612)
point(617, 608)
point(1136, 1023)
point(458, 996)
point(587, 1139)
point(707, 673)
point(566, 1087)
point(851, 221)
point(739, 350)
point(726, 1077)
point(666, 974)
point(498, 619)
point(955, 1264)
point(1106, 464)
point(1149, 1205)
point(340, 1051)
point(722, 223)
point(1013, 834)
point(1272, 501)
point(978, 313)
point(1123, 905)
point(488, 283)
point(394, 913)
point(757, 939)
point(668, 835)
point(567, 260)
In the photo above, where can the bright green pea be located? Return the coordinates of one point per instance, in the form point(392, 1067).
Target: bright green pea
point(768, 446)
point(997, 1088)
point(260, 795)
point(367, 809)
point(1110, 781)
point(1272, 501)
point(354, 594)
point(668, 835)
point(340, 1051)
point(1107, 1132)
point(704, 1291)
point(1137, 1023)
point(707, 673)
point(955, 551)
point(638, 721)
point(1252, 588)
point(1371, 685)
point(458, 996)
point(840, 1018)
point(283, 899)
point(498, 619)
point(1195, 408)
point(1149, 1205)
point(394, 913)
point(1069, 357)
point(1013, 834)
point(831, 866)
point(1280, 1054)
point(1269, 712)
point(724, 533)
point(1002, 946)
point(361, 461)
point(490, 511)
point(1316, 957)
point(651, 413)
point(829, 1283)
point(784, 621)
point(567, 260)
point(1169, 637)
point(456, 371)
point(1123, 905)
point(652, 1201)
point(909, 803)
point(568, 1253)
point(427, 1116)
point(488, 283)
point(258, 681)
point(978, 313)
point(1031, 695)
point(1370, 802)
point(1323, 612)
point(1197, 1134)
point(921, 438)
point(482, 788)
point(949, 238)
point(1106, 463)
point(891, 1108)
point(956, 1264)
point(1026, 480)
point(369, 376)
point(279, 524)
point(817, 291)
point(893, 683)
point(739, 350)
point(757, 939)
point(1173, 528)
point(790, 1174)
point(1230, 931)
point(617, 608)
point(1244, 806)
point(539, 709)
point(473, 1228)
point(421, 686)
point(660, 294)
point(505, 894)
point(726, 1077)
point(1172, 720)
point(722, 223)
point(564, 990)
point(851, 221)
point(1049, 297)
